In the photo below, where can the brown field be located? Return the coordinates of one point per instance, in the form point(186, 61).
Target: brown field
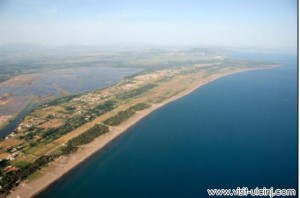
point(10, 142)
point(53, 123)
point(5, 118)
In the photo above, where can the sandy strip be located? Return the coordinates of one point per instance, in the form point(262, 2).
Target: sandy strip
point(62, 165)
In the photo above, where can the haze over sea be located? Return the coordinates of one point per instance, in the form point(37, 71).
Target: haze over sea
point(237, 131)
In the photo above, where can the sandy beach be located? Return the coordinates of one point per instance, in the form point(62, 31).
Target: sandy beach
point(62, 165)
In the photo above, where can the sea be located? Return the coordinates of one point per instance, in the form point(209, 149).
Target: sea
point(237, 131)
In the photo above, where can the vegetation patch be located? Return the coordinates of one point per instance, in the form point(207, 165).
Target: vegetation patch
point(136, 92)
point(84, 138)
point(120, 117)
point(124, 115)
point(13, 178)
point(21, 164)
point(139, 107)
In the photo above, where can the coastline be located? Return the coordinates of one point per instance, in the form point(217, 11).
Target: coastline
point(28, 106)
point(60, 166)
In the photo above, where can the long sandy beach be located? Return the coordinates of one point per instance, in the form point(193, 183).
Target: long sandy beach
point(62, 165)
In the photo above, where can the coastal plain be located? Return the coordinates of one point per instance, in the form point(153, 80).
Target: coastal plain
point(61, 133)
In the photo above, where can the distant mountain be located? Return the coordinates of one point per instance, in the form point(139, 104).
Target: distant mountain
point(21, 47)
point(207, 51)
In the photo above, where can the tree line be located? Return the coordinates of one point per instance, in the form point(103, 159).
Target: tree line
point(121, 116)
point(9, 180)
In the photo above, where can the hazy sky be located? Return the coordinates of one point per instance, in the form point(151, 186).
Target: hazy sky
point(255, 23)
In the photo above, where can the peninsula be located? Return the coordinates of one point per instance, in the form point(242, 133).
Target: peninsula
point(58, 135)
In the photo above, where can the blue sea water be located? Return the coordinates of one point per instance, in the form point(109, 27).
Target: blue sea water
point(237, 131)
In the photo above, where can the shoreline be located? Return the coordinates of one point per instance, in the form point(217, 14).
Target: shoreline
point(27, 107)
point(62, 165)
